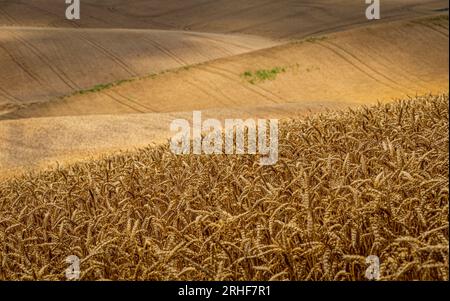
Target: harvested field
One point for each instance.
(362, 65)
(42, 64)
(349, 184)
(275, 19)
(43, 56)
(87, 108)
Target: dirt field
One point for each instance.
(359, 65)
(42, 58)
(46, 63)
(362, 66)
(275, 19)
(85, 168)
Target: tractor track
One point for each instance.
(108, 53)
(220, 72)
(354, 65)
(360, 61)
(22, 66)
(58, 72)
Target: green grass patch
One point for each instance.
(316, 39)
(262, 75)
(101, 87)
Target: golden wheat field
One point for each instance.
(348, 184)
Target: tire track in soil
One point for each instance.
(367, 66)
(22, 66)
(287, 16)
(215, 72)
(433, 28)
(212, 88)
(219, 16)
(215, 45)
(122, 103)
(354, 65)
(219, 41)
(8, 16)
(150, 110)
(166, 51)
(109, 54)
(182, 9)
(49, 13)
(255, 90)
(58, 72)
(411, 77)
(11, 97)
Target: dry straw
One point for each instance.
(350, 184)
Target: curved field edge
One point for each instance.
(44, 64)
(349, 184)
(277, 19)
(378, 62)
